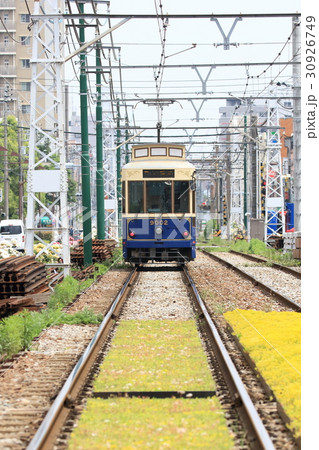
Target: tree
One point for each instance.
(14, 169)
(72, 188)
(13, 165)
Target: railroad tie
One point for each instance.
(156, 394)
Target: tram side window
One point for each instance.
(135, 196)
(181, 196)
(123, 197)
(159, 197)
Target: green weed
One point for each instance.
(257, 247)
(18, 331)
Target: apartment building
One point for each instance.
(15, 55)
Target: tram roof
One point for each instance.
(155, 163)
(158, 151)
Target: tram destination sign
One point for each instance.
(159, 173)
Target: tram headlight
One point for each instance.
(158, 230)
(185, 234)
(131, 234)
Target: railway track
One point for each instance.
(226, 260)
(262, 260)
(259, 259)
(236, 402)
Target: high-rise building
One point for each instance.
(15, 55)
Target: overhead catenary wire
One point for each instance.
(160, 17)
(272, 79)
(183, 66)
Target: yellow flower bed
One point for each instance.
(273, 341)
(50, 255)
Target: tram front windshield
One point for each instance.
(158, 197)
(163, 197)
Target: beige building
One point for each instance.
(15, 55)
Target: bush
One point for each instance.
(16, 332)
(209, 228)
(257, 247)
(240, 246)
(117, 260)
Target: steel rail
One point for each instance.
(257, 258)
(264, 287)
(236, 386)
(59, 410)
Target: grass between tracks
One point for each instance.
(140, 423)
(153, 356)
(164, 355)
(273, 341)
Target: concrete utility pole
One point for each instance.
(66, 115)
(253, 165)
(5, 159)
(21, 191)
(245, 175)
(296, 73)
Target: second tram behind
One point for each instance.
(158, 197)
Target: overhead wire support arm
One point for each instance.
(198, 110)
(226, 38)
(204, 82)
(93, 41)
(182, 16)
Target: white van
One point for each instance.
(12, 230)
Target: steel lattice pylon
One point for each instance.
(274, 201)
(110, 191)
(47, 176)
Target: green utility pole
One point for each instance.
(99, 150)
(245, 173)
(85, 163)
(118, 169)
(5, 157)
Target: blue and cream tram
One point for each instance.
(158, 190)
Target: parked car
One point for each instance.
(12, 231)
